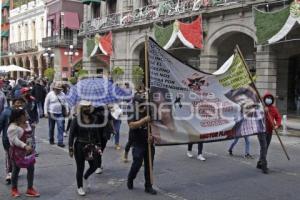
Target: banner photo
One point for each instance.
(190, 106)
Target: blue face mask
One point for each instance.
(268, 101)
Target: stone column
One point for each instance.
(31, 66)
(265, 70)
(24, 65)
(40, 66)
(208, 63)
(18, 63)
(57, 65)
(282, 84)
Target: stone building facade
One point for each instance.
(225, 25)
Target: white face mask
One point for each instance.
(268, 101)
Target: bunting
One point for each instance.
(104, 43)
(190, 34)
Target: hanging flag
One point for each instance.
(190, 34)
(191, 106)
(104, 43)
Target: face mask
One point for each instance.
(268, 101)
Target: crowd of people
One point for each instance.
(23, 105)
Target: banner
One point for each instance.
(188, 105)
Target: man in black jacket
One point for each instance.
(39, 93)
(137, 122)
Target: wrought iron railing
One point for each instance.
(60, 41)
(157, 11)
(23, 46)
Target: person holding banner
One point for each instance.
(273, 121)
(137, 122)
(247, 147)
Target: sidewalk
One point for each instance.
(293, 127)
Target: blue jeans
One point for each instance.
(59, 119)
(40, 108)
(117, 125)
(247, 144)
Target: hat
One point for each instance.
(25, 90)
(85, 103)
(57, 86)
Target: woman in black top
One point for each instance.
(87, 145)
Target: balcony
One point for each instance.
(161, 11)
(60, 41)
(23, 46)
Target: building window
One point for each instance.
(68, 34)
(42, 27)
(112, 6)
(49, 26)
(96, 10)
(33, 31)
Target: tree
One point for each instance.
(49, 73)
(117, 72)
(137, 76)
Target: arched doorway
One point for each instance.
(293, 84)
(36, 66)
(226, 44)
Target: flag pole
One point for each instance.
(148, 111)
(256, 90)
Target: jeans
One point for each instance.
(117, 125)
(15, 175)
(40, 108)
(200, 147)
(59, 119)
(247, 144)
(80, 164)
(264, 142)
(139, 155)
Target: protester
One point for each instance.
(19, 134)
(200, 148)
(138, 125)
(56, 109)
(273, 121)
(87, 144)
(247, 147)
(39, 93)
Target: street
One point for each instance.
(176, 176)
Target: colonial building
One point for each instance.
(5, 28)
(63, 23)
(26, 30)
(223, 25)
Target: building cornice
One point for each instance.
(27, 15)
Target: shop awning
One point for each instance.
(71, 20)
(5, 4)
(4, 33)
(91, 1)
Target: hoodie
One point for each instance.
(272, 114)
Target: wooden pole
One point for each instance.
(148, 111)
(256, 90)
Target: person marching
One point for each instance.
(273, 121)
(87, 145)
(247, 147)
(21, 151)
(189, 153)
(137, 122)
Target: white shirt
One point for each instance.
(52, 104)
(14, 133)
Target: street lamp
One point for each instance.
(49, 54)
(71, 52)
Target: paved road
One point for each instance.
(176, 177)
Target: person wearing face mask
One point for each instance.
(273, 121)
(84, 136)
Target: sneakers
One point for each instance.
(125, 157)
(99, 170)
(81, 191)
(130, 184)
(61, 145)
(150, 190)
(230, 152)
(248, 156)
(31, 192)
(117, 147)
(8, 178)
(15, 193)
(65, 134)
(200, 157)
(189, 154)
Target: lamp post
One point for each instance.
(71, 51)
(49, 55)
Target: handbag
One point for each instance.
(63, 108)
(20, 156)
(91, 151)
